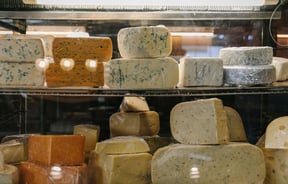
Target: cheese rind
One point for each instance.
(200, 72)
(14, 152)
(134, 104)
(246, 55)
(277, 134)
(156, 142)
(134, 123)
(199, 122)
(144, 42)
(157, 73)
(281, 67)
(235, 163)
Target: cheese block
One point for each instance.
(281, 67)
(156, 142)
(144, 42)
(56, 149)
(120, 169)
(20, 74)
(200, 72)
(33, 173)
(134, 123)
(21, 49)
(14, 152)
(91, 133)
(159, 73)
(247, 55)
(277, 134)
(235, 163)
(79, 50)
(201, 121)
(8, 173)
(235, 125)
(122, 145)
(249, 75)
(134, 104)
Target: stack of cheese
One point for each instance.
(248, 65)
(54, 159)
(17, 61)
(205, 154)
(8, 173)
(145, 63)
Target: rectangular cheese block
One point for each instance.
(157, 73)
(56, 149)
(235, 163)
(134, 123)
(21, 49)
(200, 72)
(281, 67)
(246, 55)
(144, 42)
(201, 121)
(134, 104)
(277, 134)
(20, 74)
(33, 173)
(120, 169)
(14, 152)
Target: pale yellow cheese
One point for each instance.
(134, 104)
(134, 123)
(277, 134)
(8, 173)
(13, 151)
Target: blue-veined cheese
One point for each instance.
(281, 67)
(157, 73)
(200, 72)
(249, 75)
(246, 55)
(277, 134)
(134, 123)
(145, 41)
(21, 49)
(134, 104)
(201, 121)
(20, 74)
(235, 163)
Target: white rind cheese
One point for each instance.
(281, 66)
(144, 42)
(200, 72)
(235, 163)
(134, 104)
(249, 75)
(246, 55)
(277, 134)
(199, 122)
(157, 73)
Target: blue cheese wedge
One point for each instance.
(157, 73)
(200, 72)
(235, 163)
(246, 55)
(143, 42)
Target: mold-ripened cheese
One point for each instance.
(159, 73)
(8, 173)
(21, 49)
(277, 134)
(122, 145)
(145, 41)
(201, 121)
(56, 149)
(235, 125)
(134, 104)
(120, 169)
(281, 67)
(249, 75)
(20, 74)
(246, 55)
(134, 123)
(200, 72)
(14, 152)
(235, 163)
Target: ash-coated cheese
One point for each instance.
(21, 49)
(200, 72)
(157, 73)
(235, 163)
(144, 42)
(235, 125)
(201, 121)
(246, 55)
(134, 104)
(8, 173)
(134, 123)
(281, 67)
(249, 75)
(20, 74)
(277, 134)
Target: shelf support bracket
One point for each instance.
(18, 25)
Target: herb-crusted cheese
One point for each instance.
(277, 134)
(144, 42)
(157, 73)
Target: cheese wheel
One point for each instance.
(281, 67)
(235, 163)
(14, 152)
(144, 42)
(201, 121)
(134, 104)
(10, 175)
(246, 55)
(156, 142)
(277, 134)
